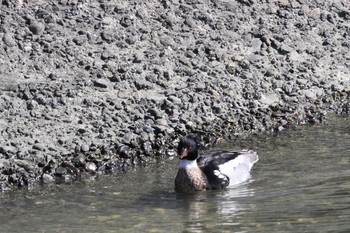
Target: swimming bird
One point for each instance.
(213, 170)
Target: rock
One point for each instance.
(31, 104)
(8, 40)
(167, 41)
(310, 94)
(174, 99)
(124, 151)
(9, 82)
(80, 39)
(141, 84)
(313, 93)
(284, 49)
(47, 179)
(90, 167)
(231, 68)
(256, 44)
(191, 23)
(61, 171)
(79, 160)
(36, 28)
(107, 36)
(155, 112)
(315, 13)
(103, 83)
(39, 146)
(200, 86)
(269, 99)
(84, 147)
(126, 21)
(107, 20)
(158, 129)
(8, 151)
(147, 147)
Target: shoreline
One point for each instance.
(88, 87)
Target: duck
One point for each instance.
(213, 170)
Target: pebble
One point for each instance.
(47, 179)
(286, 49)
(315, 13)
(90, 167)
(155, 112)
(8, 40)
(36, 28)
(124, 151)
(79, 160)
(200, 86)
(84, 147)
(174, 99)
(80, 39)
(147, 147)
(103, 83)
(8, 151)
(61, 171)
(256, 44)
(25, 164)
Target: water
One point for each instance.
(300, 184)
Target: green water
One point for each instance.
(300, 184)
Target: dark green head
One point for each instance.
(188, 148)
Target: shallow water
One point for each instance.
(300, 184)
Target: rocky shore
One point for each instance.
(87, 87)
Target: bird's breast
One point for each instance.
(189, 180)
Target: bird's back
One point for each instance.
(227, 168)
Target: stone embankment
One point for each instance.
(87, 87)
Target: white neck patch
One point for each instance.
(186, 164)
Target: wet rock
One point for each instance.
(79, 160)
(124, 151)
(90, 167)
(61, 171)
(25, 164)
(171, 153)
(147, 147)
(47, 179)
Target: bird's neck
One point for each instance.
(187, 164)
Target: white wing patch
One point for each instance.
(238, 169)
(220, 175)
